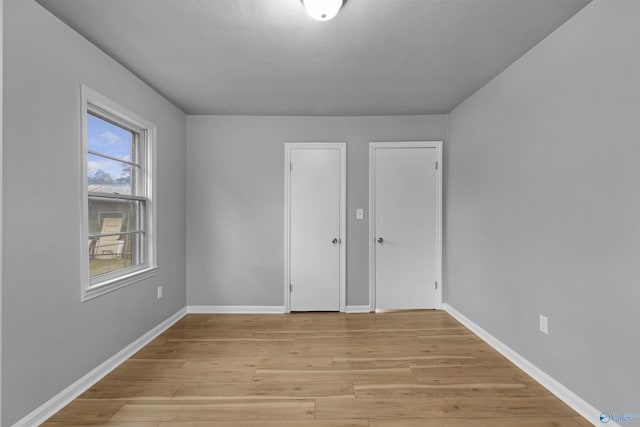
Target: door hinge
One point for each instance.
(290, 287)
(436, 165)
(436, 284)
(290, 166)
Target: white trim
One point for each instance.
(287, 226)
(116, 280)
(357, 309)
(342, 146)
(60, 400)
(235, 309)
(578, 404)
(1, 174)
(372, 259)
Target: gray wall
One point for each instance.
(543, 205)
(51, 339)
(235, 200)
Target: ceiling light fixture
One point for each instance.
(322, 10)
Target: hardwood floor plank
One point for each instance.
(477, 422)
(462, 407)
(418, 389)
(153, 363)
(352, 332)
(214, 410)
(329, 375)
(305, 390)
(223, 362)
(88, 411)
(506, 370)
(296, 362)
(386, 408)
(401, 361)
(131, 390)
(290, 362)
(209, 332)
(107, 424)
(279, 423)
(194, 374)
(476, 374)
(191, 371)
(242, 341)
(442, 362)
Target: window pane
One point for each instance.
(108, 139)
(115, 227)
(114, 215)
(109, 176)
(112, 254)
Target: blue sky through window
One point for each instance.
(111, 140)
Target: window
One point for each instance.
(118, 208)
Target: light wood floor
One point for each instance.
(403, 369)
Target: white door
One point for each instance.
(405, 220)
(316, 230)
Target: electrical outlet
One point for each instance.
(359, 213)
(544, 324)
(159, 292)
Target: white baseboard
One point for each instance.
(236, 309)
(59, 401)
(258, 309)
(578, 404)
(357, 309)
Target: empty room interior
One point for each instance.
(303, 213)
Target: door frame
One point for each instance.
(437, 145)
(288, 147)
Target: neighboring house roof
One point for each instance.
(111, 188)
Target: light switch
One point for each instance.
(359, 213)
(544, 324)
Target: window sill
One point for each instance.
(117, 283)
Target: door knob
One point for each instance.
(334, 241)
(380, 240)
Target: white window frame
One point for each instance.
(92, 100)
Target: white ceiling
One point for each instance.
(377, 57)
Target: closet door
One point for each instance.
(405, 219)
(316, 210)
